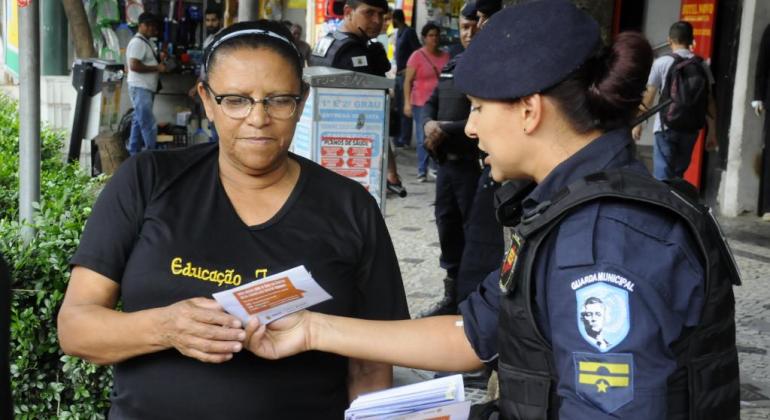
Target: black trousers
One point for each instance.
(764, 179)
(484, 243)
(456, 183)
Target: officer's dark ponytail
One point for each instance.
(605, 92)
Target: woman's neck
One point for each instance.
(562, 146)
(434, 51)
(241, 179)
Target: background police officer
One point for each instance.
(353, 45)
(457, 155)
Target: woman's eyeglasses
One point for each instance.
(280, 107)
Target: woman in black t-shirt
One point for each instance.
(169, 221)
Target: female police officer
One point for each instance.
(613, 308)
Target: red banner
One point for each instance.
(702, 16)
(408, 6)
(319, 12)
(23, 3)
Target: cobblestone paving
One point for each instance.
(412, 227)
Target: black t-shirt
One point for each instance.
(166, 209)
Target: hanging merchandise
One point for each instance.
(124, 34)
(272, 9)
(134, 8)
(107, 12)
(111, 48)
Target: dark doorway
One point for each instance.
(724, 59)
(629, 16)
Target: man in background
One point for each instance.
(144, 68)
(213, 23)
(303, 47)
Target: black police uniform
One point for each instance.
(344, 50)
(660, 337)
(458, 170)
(615, 299)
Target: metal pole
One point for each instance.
(248, 10)
(29, 114)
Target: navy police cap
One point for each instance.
(469, 11)
(526, 49)
(382, 4)
(489, 7)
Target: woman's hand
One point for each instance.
(282, 338)
(200, 329)
(407, 109)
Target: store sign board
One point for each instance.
(297, 4)
(302, 144)
(350, 135)
(702, 15)
(12, 38)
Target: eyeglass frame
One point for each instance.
(253, 101)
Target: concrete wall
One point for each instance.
(740, 185)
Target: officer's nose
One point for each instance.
(470, 126)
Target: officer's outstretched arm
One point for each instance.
(435, 343)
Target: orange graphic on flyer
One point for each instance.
(267, 295)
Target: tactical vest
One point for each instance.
(323, 55)
(705, 384)
(336, 43)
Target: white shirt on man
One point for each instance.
(139, 48)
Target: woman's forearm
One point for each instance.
(435, 343)
(106, 336)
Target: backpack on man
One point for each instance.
(687, 88)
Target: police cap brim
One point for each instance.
(382, 4)
(469, 11)
(526, 49)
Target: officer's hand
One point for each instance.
(759, 107)
(407, 109)
(636, 132)
(711, 142)
(282, 338)
(200, 329)
(434, 135)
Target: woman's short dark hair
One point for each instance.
(605, 92)
(281, 42)
(429, 27)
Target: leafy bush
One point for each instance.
(45, 382)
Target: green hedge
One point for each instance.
(45, 382)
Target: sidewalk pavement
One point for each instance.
(412, 227)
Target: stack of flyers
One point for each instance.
(442, 398)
